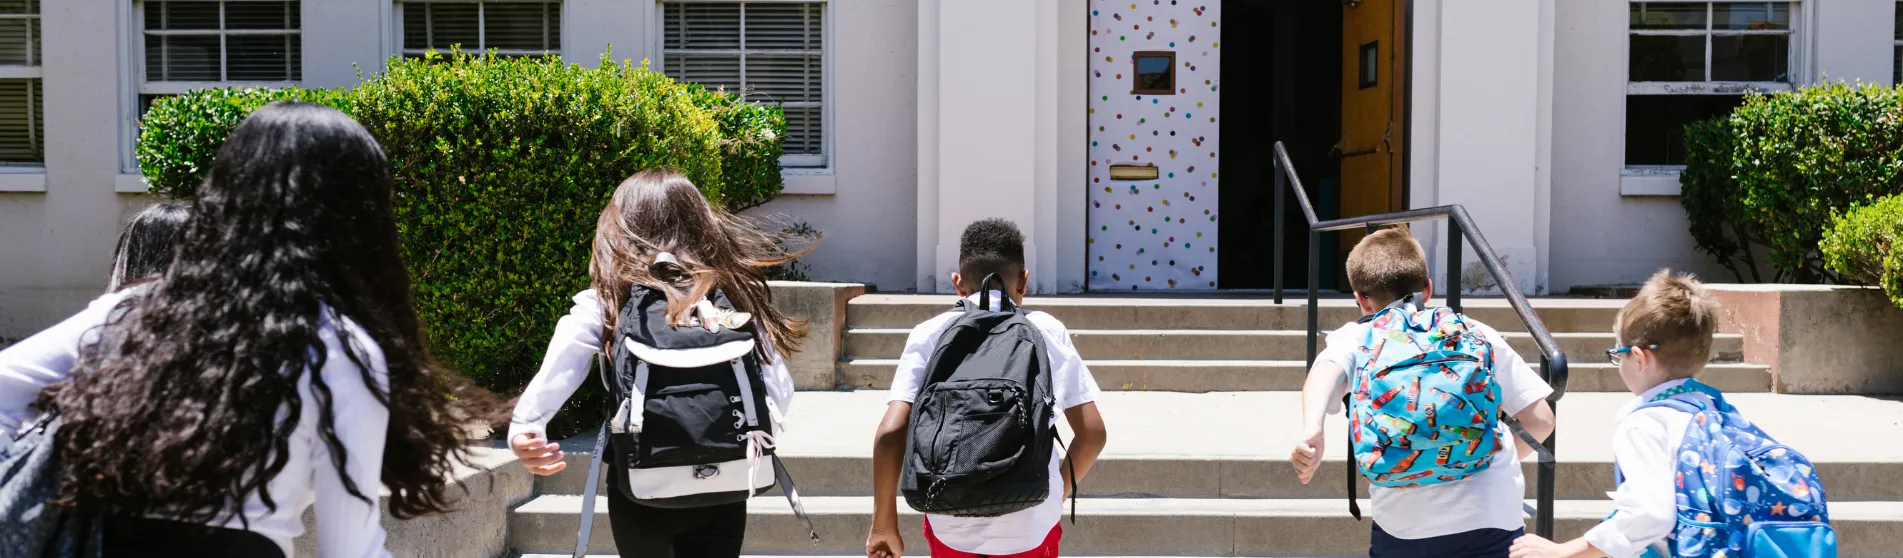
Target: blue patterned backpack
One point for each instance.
(1422, 405)
(1741, 494)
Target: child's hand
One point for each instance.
(1535, 546)
(538, 454)
(1307, 455)
(884, 544)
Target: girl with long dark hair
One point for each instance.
(146, 243)
(276, 365)
(658, 215)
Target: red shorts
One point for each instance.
(1046, 550)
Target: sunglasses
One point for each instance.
(1617, 354)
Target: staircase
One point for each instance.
(1201, 397)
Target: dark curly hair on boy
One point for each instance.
(990, 246)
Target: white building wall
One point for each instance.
(1600, 236)
(58, 235)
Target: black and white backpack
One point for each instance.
(691, 424)
(981, 430)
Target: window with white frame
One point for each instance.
(193, 44)
(1692, 61)
(517, 28)
(22, 114)
(770, 52)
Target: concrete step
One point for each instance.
(1235, 444)
(1198, 376)
(1182, 344)
(1225, 311)
(1162, 526)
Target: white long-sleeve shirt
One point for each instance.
(576, 342)
(1643, 445)
(346, 526)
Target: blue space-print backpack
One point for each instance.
(1423, 405)
(1741, 494)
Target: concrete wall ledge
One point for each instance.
(823, 306)
(1818, 339)
(478, 528)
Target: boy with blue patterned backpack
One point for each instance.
(1426, 390)
(1696, 479)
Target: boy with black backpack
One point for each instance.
(1428, 393)
(1695, 477)
(969, 435)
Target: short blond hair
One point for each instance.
(1387, 265)
(1675, 312)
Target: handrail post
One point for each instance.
(1281, 184)
(1454, 241)
(1543, 517)
(1314, 293)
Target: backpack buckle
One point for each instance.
(994, 397)
(704, 472)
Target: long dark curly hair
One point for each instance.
(177, 406)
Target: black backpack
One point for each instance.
(690, 422)
(981, 433)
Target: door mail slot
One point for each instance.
(1133, 172)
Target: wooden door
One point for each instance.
(1374, 69)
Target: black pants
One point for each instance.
(137, 536)
(1479, 543)
(647, 532)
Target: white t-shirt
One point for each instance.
(346, 526)
(1644, 446)
(1491, 499)
(1019, 531)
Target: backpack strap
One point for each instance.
(589, 492)
(793, 497)
(1354, 507)
(1075, 483)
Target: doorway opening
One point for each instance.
(1280, 84)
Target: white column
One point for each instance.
(591, 27)
(1489, 129)
(342, 36)
(1854, 39)
(987, 129)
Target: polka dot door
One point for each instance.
(1154, 84)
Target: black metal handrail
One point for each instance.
(1459, 227)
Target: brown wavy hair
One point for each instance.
(175, 407)
(659, 210)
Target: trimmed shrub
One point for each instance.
(502, 167)
(1799, 158)
(1719, 222)
(1865, 245)
(181, 134)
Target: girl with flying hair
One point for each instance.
(276, 365)
(660, 235)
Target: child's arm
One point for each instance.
(1087, 440)
(1644, 510)
(1537, 419)
(565, 365)
(888, 458)
(1327, 382)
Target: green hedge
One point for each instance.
(1866, 246)
(502, 167)
(1712, 202)
(1796, 160)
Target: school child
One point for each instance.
(1695, 478)
(276, 366)
(998, 375)
(145, 245)
(680, 311)
(1424, 389)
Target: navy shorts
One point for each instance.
(1488, 543)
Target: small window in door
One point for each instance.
(1155, 73)
(1370, 64)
